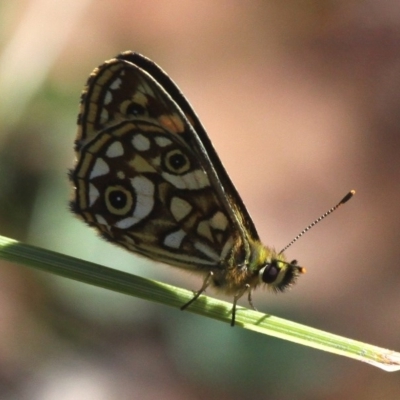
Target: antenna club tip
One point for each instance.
(348, 196)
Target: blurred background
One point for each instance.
(301, 100)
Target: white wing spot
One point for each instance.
(140, 142)
(162, 141)
(227, 248)
(104, 115)
(192, 180)
(208, 251)
(174, 239)
(143, 186)
(219, 221)
(115, 150)
(116, 84)
(175, 180)
(196, 179)
(156, 161)
(93, 194)
(126, 222)
(100, 168)
(108, 97)
(203, 229)
(201, 178)
(180, 208)
(101, 220)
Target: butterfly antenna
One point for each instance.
(344, 200)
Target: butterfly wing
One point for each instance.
(144, 176)
(199, 135)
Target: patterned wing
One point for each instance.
(144, 177)
(170, 87)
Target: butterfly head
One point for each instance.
(279, 274)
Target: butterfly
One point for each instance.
(147, 178)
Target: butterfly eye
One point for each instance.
(136, 110)
(280, 276)
(119, 200)
(176, 162)
(270, 272)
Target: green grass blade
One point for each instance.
(94, 274)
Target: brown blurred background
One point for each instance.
(302, 102)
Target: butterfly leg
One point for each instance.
(250, 300)
(203, 288)
(237, 296)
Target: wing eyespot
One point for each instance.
(119, 201)
(136, 110)
(176, 162)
